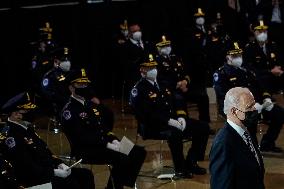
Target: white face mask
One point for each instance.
(124, 33)
(152, 74)
(65, 65)
(200, 21)
(262, 37)
(166, 51)
(137, 36)
(237, 62)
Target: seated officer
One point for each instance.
(86, 126)
(162, 116)
(231, 75)
(170, 67)
(53, 82)
(262, 56)
(30, 157)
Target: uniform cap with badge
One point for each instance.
(233, 48)
(21, 101)
(78, 76)
(199, 13)
(260, 25)
(149, 62)
(124, 26)
(163, 43)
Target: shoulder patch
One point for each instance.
(45, 82)
(66, 114)
(10, 142)
(216, 77)
(134, 92)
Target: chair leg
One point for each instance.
(110, 175)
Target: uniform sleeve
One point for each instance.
(220, 87)
(221, 167)
(29, 167)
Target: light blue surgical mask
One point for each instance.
(152, 74)
(166, 51)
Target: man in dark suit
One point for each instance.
(235, 161)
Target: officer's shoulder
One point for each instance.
(67, 106)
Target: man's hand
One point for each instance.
(95, 100)
(267, 104)
(182, 122)
(175, 123)
(182, 85)
(62, 173)
(277, 71)
(114, 145)
(258, 107)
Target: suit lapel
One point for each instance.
(243, 146)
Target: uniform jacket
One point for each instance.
(154, 107)
(232, 164)
(227, 77)
(171, 70)
(33, 163)
(260, 62)
(85, 126)
(54, 87)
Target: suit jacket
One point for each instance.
(232, 164)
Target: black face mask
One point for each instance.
(86, 92)
(251, 118)
(28, 117)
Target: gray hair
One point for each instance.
(232, 98)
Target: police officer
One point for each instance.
(41, 63)
(33, 162)
(90, 137)
(53, 84)
(170, 67)
(231, 75)
(197, 65)
(262, 57)
(162, 116)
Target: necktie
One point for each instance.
(249, 143)
(156, 85)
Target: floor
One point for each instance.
(158, 157)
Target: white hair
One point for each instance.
(232, 98)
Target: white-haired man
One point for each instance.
(235, 161)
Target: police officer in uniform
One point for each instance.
(41, 63)
(197, 66)
(53, 84)
(262, 57)
(231, 75)
(170, 67)
(33, 162)
(90, 137)
(160, 115)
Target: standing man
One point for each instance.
(235, 161)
